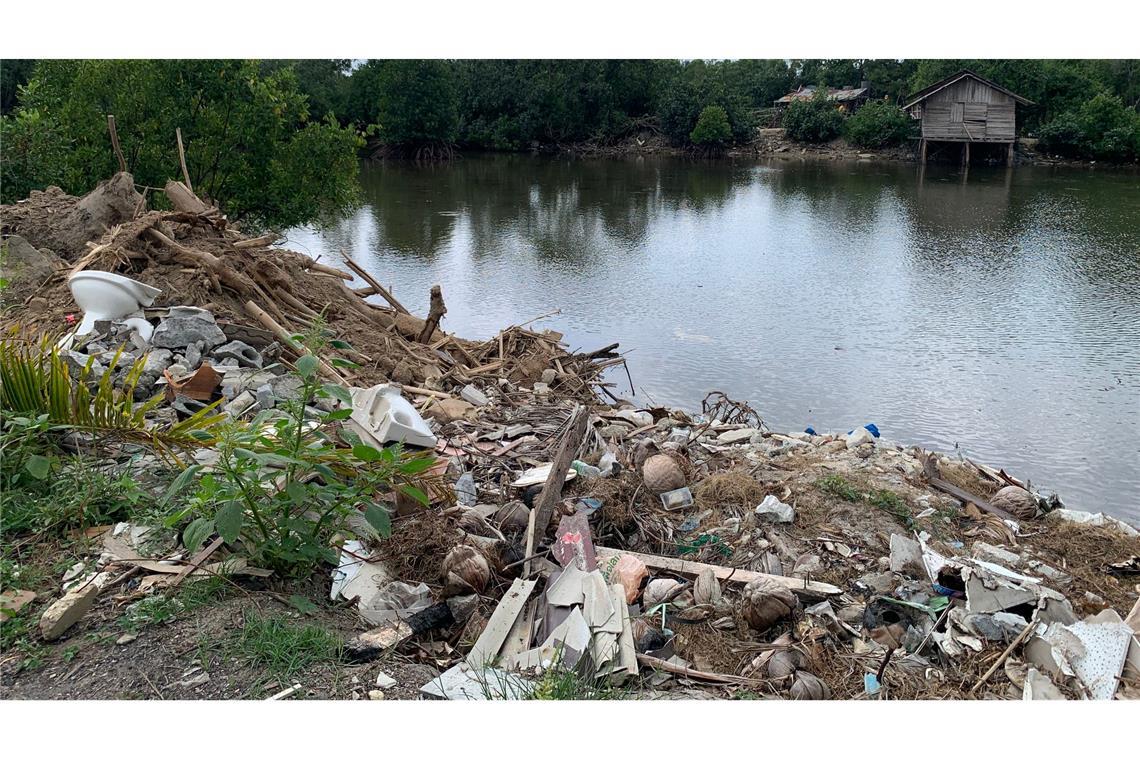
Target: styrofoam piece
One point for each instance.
(106, 295)
(388, 416)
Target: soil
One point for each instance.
(88, 664)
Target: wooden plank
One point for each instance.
(731, 574)
(195, 563)
(552, 490)
(486, 649)
(518, 640)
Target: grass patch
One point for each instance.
(561, 684)
(891, 503)
(160, 609)
(281, 646)
(837, 485)
(888, 501)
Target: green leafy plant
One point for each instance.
(282, 486)
(713, 130)
(813, 121)
(36, 386)
(878, 124)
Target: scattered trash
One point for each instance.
(681, 498)
(773, 510)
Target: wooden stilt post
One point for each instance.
(1009, 156)
(922, 151)
(966, 155)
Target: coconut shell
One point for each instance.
(513, 517)
(657, 590)
(1017, 501)
(807, 686)
(764, 602)
(646, 448)
(471, 521)
(465, 571)
(661, 473)
(784, 663)
(706, 589)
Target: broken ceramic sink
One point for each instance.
(389, 417)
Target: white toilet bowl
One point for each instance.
(105, 295)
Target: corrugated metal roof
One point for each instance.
(839, 94)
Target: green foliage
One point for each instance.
(282, 486)
(282, 647)
(558, 683)
(813, 121)
(412, 103)
(36, 388)
(323, 81)
(77, 495)
(14, 74)
(837, 485)
(891, 503)
(713, 129)
(878, 123)
(250, 144)
(1102, 128)
(694, 86)
(151, 610)
(33, 155)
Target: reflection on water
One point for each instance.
(997, 312)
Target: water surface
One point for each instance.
(997, 312)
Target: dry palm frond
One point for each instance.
(35, 381)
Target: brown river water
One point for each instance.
(994, 312)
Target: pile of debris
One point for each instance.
(196, 258)
(666, 551)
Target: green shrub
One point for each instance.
(1102, 128)
(813, 121)
(282, 487)
(878, 124)
(713, 129)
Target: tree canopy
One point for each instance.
(251, 146)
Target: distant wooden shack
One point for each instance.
(966, 109)
(846, 99)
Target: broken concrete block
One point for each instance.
(906, 555)
(186, 325)
(71, 607)
(473, 395)
(992, 553)
(244, 354)
(743, 435)
(858, 437)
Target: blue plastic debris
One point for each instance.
(690, 524)
(810, 431)
(870, 427)
(589, 505)
(871, 684)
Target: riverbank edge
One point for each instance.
(769, 144)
